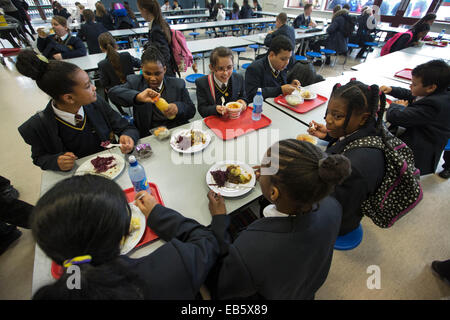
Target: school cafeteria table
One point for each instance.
(181, 180)
(324, 88)
(433, 52)
(185, 16)
(123, 33)
(90, 61)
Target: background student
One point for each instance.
(338, 34)
(90, 30)
(269, 73)
(287, 253)
(424, 113)
(405, 39)
(304, 19)
(246, 11)
(222, 82)
(59, 10)
(103, 16)
(140, 91)
(282, 29)
(85, 218)
(75, 121)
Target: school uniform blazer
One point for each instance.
(427, 123)
(106, 20)
(259, 75)
(206, 102)
(281, 257)
(108, 77)
(336, 40)
(70, 48)
(90, 31)
(365, 178)
(288, 32)
(41, 131)
(246, 12)
(177, 269)
(174, 92)
(157, 38)
(302, 20)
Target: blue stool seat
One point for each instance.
(352, 45)
(209, 32)
(300, 58)
(122, 41)
(194, 33)
(245, 65)
(371, 44)
(447, 147)
(198, 56)
(235, 29)
(327, 51)
(350, 240)
(254, 46)
(313, 54)
(239, 50)
(192, 77)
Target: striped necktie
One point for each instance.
(78, 120)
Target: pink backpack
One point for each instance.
(387, 46)
(181, 54)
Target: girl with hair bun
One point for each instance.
(355, 111)
(287, 253)
(75, 121)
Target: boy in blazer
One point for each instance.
(221, 83)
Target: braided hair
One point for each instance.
(152, 54)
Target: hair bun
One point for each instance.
(30, 65)
(334, 169)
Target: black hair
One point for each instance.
(346, 6)
(434, 72)
(305, 173)
(428, 17)
(54, 77)
(85, 215)
(420, 28)
(307, 6)
(88, 15)
(152, 54)
(361, 98)
(220, 52)
(280, 43)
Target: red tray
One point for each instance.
(147, 237)
(304, 107)
(440, 44)
(404, 74)
(227, 129)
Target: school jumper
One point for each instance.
(260, 75)
(367, 175)
(106, 20)
(90, 31)
(286, 31)
(147, 115)
(233, 91)
(427, 124)
(278, 257)
(157, 38)
(72, 47)
(108, 77)
(50, 136)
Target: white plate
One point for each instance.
(134, 238)
(192, 149)
(231, 189)
(112, 173)
(312, 96)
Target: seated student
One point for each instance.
(75, 121)
(282, 29)
(286, 254)
(365, 30)
(235, 11)
(304, 19)
(121, 18)
(221, 82)
(405, 39)
(90, 31)
(59, 10)
(246, 11)
(140, 90)
(82, 221)
(351, 115)
(424, 112)
(61, 45)
(103, 16)
(269, 73)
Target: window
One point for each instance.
(443, 12)
(389, 7)
(355, 5)
(417, 8)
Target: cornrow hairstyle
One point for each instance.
(152, 54)
(107, 42)
(305, 173)
(54, 77)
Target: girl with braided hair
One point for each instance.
(355, 111)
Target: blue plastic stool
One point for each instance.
(350, 46)
(329, 52)
(255, 47)
(194, 34)
(123, 44)
(143, 40)
(370, 45)
(313, 54)
(447, 147)
(209, 32)
(300, 58)
(223, 32)
(249, 29)
(245, 65)
(238, 51)
(350, 240)
(235, 30)
(192, 77)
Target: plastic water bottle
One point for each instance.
(441, 35)
(136, 45)
(257, 105)
(137, 176)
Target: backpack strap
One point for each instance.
(211, 86)
(366, 142)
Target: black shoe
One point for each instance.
(317, 63)
(444, 173)
(8, 239)
(9, 194)
(441, 269)
(328, 61)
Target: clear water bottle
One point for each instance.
(441, 35)
(136, 45)
(257, 105)
(137, 176)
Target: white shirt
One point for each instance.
(67, 116)
(273, 70)
(219, 83)
(165, 7)
(271, 211)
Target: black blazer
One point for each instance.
(174, 92)
(72, 47)
(207, 104)
(89, 32)
(246, 12)
(259, 75)
(288, 32)
(427, 123)
(157, 38)
(177, 269)
(367, 174)
(280, 257)
(41, 131)
(106, 20)
(108, 77)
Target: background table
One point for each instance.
(90, 61)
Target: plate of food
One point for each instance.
(137, 229)
(107, 165)
(231, 178)
(190, 140)
(308, 95)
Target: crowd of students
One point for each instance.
(313, 197)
